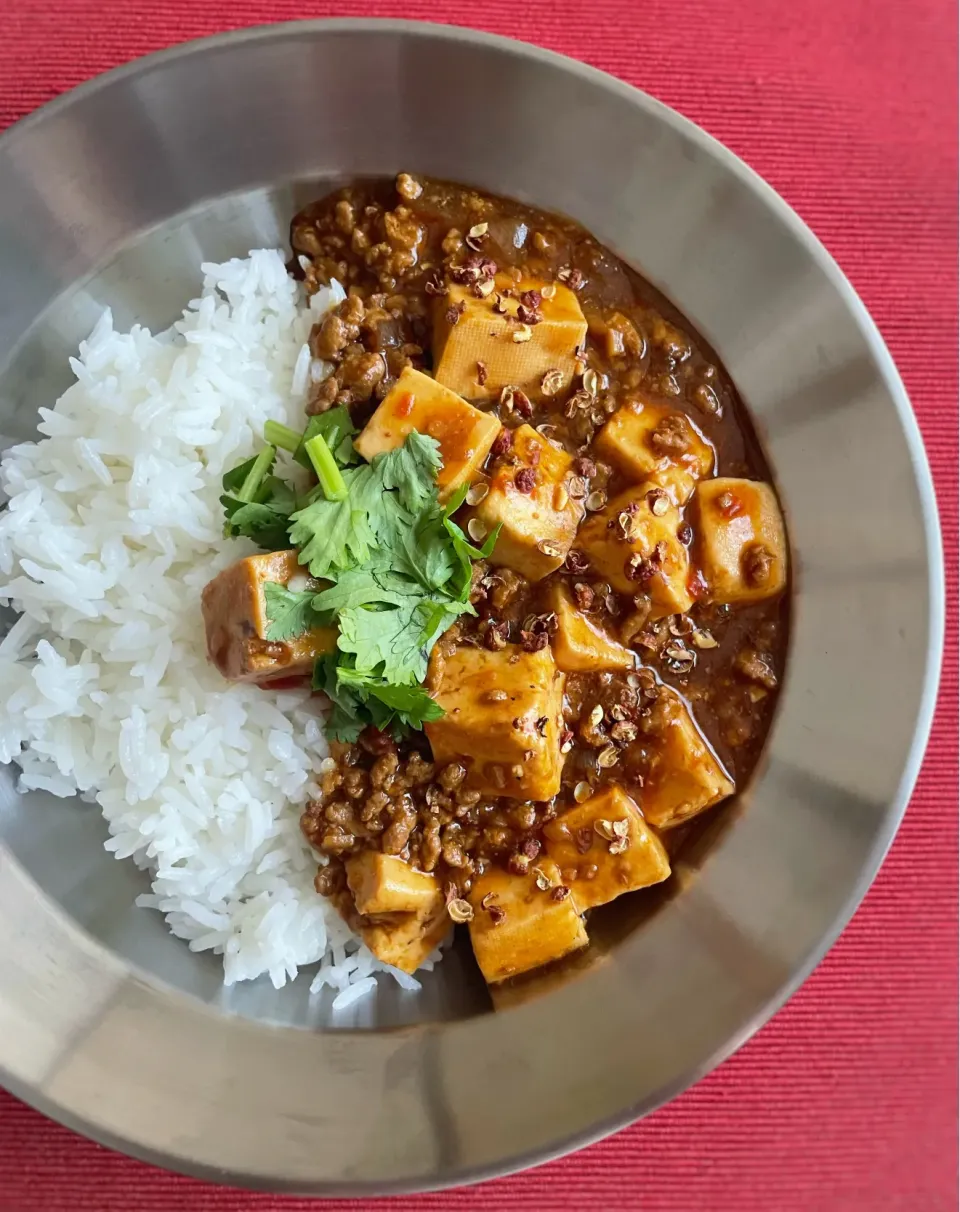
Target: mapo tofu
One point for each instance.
(613, 674)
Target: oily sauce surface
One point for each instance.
(393, 246)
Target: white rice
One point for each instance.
(112, 528)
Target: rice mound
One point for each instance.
(112, 528)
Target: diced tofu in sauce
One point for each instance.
(605, 386)
(741, 545)
(502, 719)
(654, 442)
(382, 883)
(684, 777)
(235, 619)
(418, 402)
(604, 848)
(580, 645)
(633, 543)
(512, 354)
(405, 940)
(539, 520)
(521, 922)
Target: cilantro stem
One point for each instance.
(281, 435)
(261, 465)
(325, 465)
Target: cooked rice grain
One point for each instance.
(112, 528)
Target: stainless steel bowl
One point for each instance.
(113, 194)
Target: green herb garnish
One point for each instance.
(325, 465)
(396, 567)
(358, 700)
(281, 435)
(291, 614)
(336, 428)
(256, 503)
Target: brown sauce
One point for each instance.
(396, 247)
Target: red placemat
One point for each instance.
(848, 1099)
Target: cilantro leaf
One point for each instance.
(262, 515)
(278, 495)
(291, 614)
(422, 551)
(358, 700)
(337, 429)
(444, 612)
(234, 478)
(411, 469)
(410, 705)
(264, 522)
(400, 572)
(348, 715)
(395, 642)
(338, 535)
(379, 508)
(464, 550)
(389, 642)
(369, 586)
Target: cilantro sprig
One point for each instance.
(394, 565)
(256, 503)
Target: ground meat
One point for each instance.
(408, 187)
(670, 341)
(346, 219)
(403, 820)
(671, 436)
(403, 232)
(757, 563)
(756, 666)
(408, 808)
(508, 585)
(338, 329)
(358, 376)
(621, 338)
(396, 249)
(584, 595)
(495, 635)
(376, 742)
(323, 396)
(330, 879)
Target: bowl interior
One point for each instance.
(116, 195)
(148, 283)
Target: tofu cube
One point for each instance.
(235, 619)
(684, 776)
(648, 441)
(528, 496)
(405, 940)
(741, 544)
(517, 925)
(604, 847)
(511, 353)
(383, 883)
(579, 644)
(502, 719)
(418, 402)
(633, 544)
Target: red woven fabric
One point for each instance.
(848, 1099)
